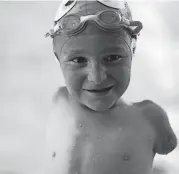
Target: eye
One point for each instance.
(80, 60)
(113, 58)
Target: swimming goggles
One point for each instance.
(107, 20)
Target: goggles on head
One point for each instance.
(107, 20)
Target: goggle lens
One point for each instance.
(109, 17)
(70, 22)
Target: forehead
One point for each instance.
(94, 45)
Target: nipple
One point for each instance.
(53, 155)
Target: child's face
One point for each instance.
(94, 62)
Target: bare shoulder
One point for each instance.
(60, 103)
(58, 127)
(61, 93)
(58, 109)
(165, 140)
(152, 110)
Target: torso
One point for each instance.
(119, 141)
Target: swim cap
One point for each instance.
(91, 7)
(85, 8)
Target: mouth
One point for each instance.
(102, 90)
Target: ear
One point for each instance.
(133, 45)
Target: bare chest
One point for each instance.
(111, 144)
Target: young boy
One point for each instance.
(92, 130)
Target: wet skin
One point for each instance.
(123, 139)
(95, 61)
(92, 132)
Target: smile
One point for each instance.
(103, 90)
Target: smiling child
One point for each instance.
(91, 129)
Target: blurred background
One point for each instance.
(30, 74)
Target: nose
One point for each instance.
(97, 74)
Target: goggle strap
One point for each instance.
(54, 30)
(138, 26)
(125, 21)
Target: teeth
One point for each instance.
(101, 90)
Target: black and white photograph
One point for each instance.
(89, 87)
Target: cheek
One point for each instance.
(121, 73)
(122, 76)
(73, 79)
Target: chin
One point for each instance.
(100, 106)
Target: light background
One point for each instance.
(29, 75)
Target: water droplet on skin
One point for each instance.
(125, 157)
(79, 123)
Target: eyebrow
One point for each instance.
(75, 51)
(111, 48)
